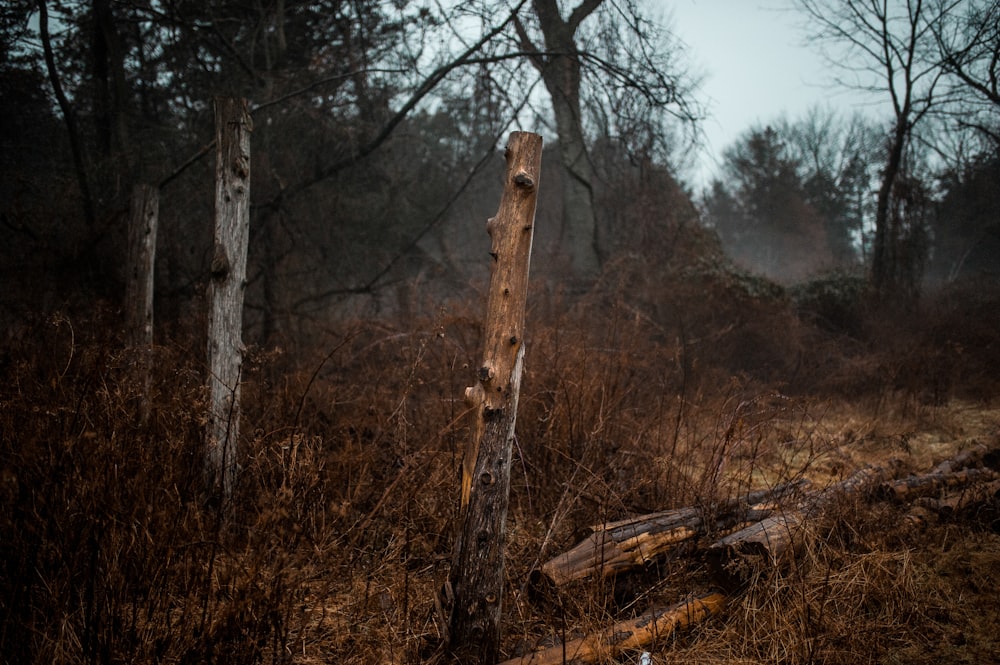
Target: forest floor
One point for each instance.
(338, 539)
(879, 585)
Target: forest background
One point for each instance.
(837, 255)
(375, 144)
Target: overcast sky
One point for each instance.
(756, 67)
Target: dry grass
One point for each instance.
(334, 546)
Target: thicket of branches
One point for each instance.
(376, 124)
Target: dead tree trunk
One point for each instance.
(143, 218)
(476, 579)
(225, 290)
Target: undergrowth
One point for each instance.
(339, 534)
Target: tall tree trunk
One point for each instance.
(143, 218)
(477, 572)
(142, 223)
(883, 270)
(226, 289)
(561, 73)
(579, 233)
(69, 117)
(110, 103)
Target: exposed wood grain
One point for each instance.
(476, 578)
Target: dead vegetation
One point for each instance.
(339, 534)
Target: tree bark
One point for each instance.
(69, 117)
(225, 290)
(631, 543)
(143, 219)
(561, 73)
(476, 578)
(883, 263)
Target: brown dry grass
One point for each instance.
(339, 536)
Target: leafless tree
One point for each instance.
(968, 41)
(885, 47)
(627, 57)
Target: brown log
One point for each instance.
(626, 545)
(764, 543)
(476, 578)
(964, 499)
(623, 545)
(969, 457)
(908, 489)
(655, 624)
(608, 552)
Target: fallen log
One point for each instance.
(965, 499)
(768, 537)
(972, 456)
(624, 544)
(614, 547)
(740, 553)
(631, 634)
(912, 487)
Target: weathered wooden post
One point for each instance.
(225, 290)
(144, 210)
(476, 579)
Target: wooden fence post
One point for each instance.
(225, 290)
(144, 210)
(476, 579)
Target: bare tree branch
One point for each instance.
(69, 117)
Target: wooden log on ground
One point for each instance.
(908, 489)
(964, 499)
(626, 544)
(739, 554)
(769, 537)
(970, 457)
(608, 552)
(742, 552)
(656, 624)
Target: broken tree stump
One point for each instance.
(476, 578)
